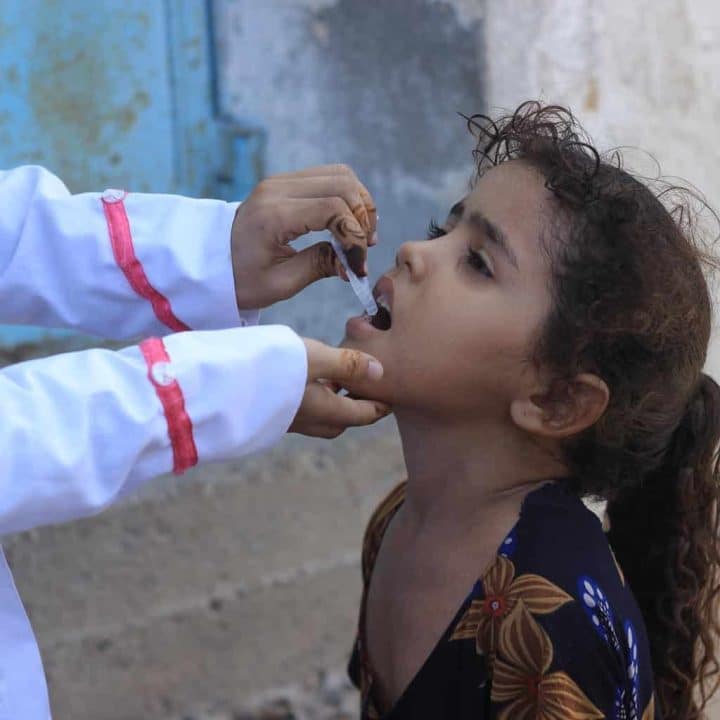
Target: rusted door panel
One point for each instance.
(118, 93)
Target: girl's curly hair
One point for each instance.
(632, 305)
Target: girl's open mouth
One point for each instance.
(382, 320)
(383, 294)
(364, 325)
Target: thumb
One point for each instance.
(340, 365)
(305, 267)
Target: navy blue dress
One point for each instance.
(551, 631)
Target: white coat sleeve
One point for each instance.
(81, 429)
(116, 265)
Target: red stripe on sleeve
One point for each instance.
(180, 428)
(124, 252)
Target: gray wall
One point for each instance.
(642, 75)
(373, 83)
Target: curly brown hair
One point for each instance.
(632, 305)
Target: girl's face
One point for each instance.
(465, 307)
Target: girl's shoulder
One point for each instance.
(558, 536)
(563, 593)
(561, 542)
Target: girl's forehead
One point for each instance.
(513, 196)
(512, 181)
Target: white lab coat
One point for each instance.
(81, 429)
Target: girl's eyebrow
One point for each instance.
(493, 233)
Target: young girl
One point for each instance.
(546, 346)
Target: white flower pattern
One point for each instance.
(633, 670)
(598, 610)
(507, 547)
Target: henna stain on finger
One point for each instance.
(370, 209)
(324, 261)
(361, 216)
(350, 362)
(350, 232)
(346, 227)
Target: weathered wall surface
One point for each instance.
(641, 74)
(375, 84)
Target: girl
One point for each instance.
(546, 346)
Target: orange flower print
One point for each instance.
(521, 679)
(503, 590)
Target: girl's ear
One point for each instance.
(566, 409)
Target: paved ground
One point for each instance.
(326, 696)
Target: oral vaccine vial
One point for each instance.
(361, 286)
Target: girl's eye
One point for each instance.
(435, 231)
(476, 261)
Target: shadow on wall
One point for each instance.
(396, 74)
(376, 84)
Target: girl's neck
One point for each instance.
(464, 476)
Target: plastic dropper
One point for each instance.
(361, 286)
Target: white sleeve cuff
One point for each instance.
(184, 247)
(242, 387)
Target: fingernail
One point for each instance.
(374, 238)
(375, 370)
(383, 410)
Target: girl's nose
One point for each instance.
(410, 257)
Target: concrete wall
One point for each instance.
(373, 83)
(642, 74)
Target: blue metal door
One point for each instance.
(118, 93)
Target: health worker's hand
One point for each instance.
(281, 209)
(324, 413)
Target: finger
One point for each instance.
(328, 432)
(334, 171)
(298, 216)
(371, 211)
(348, 187)
(340, 365)
(303, 268)
(290, 276)
(339, 411)
(333, 387)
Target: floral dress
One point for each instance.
(549, 632)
